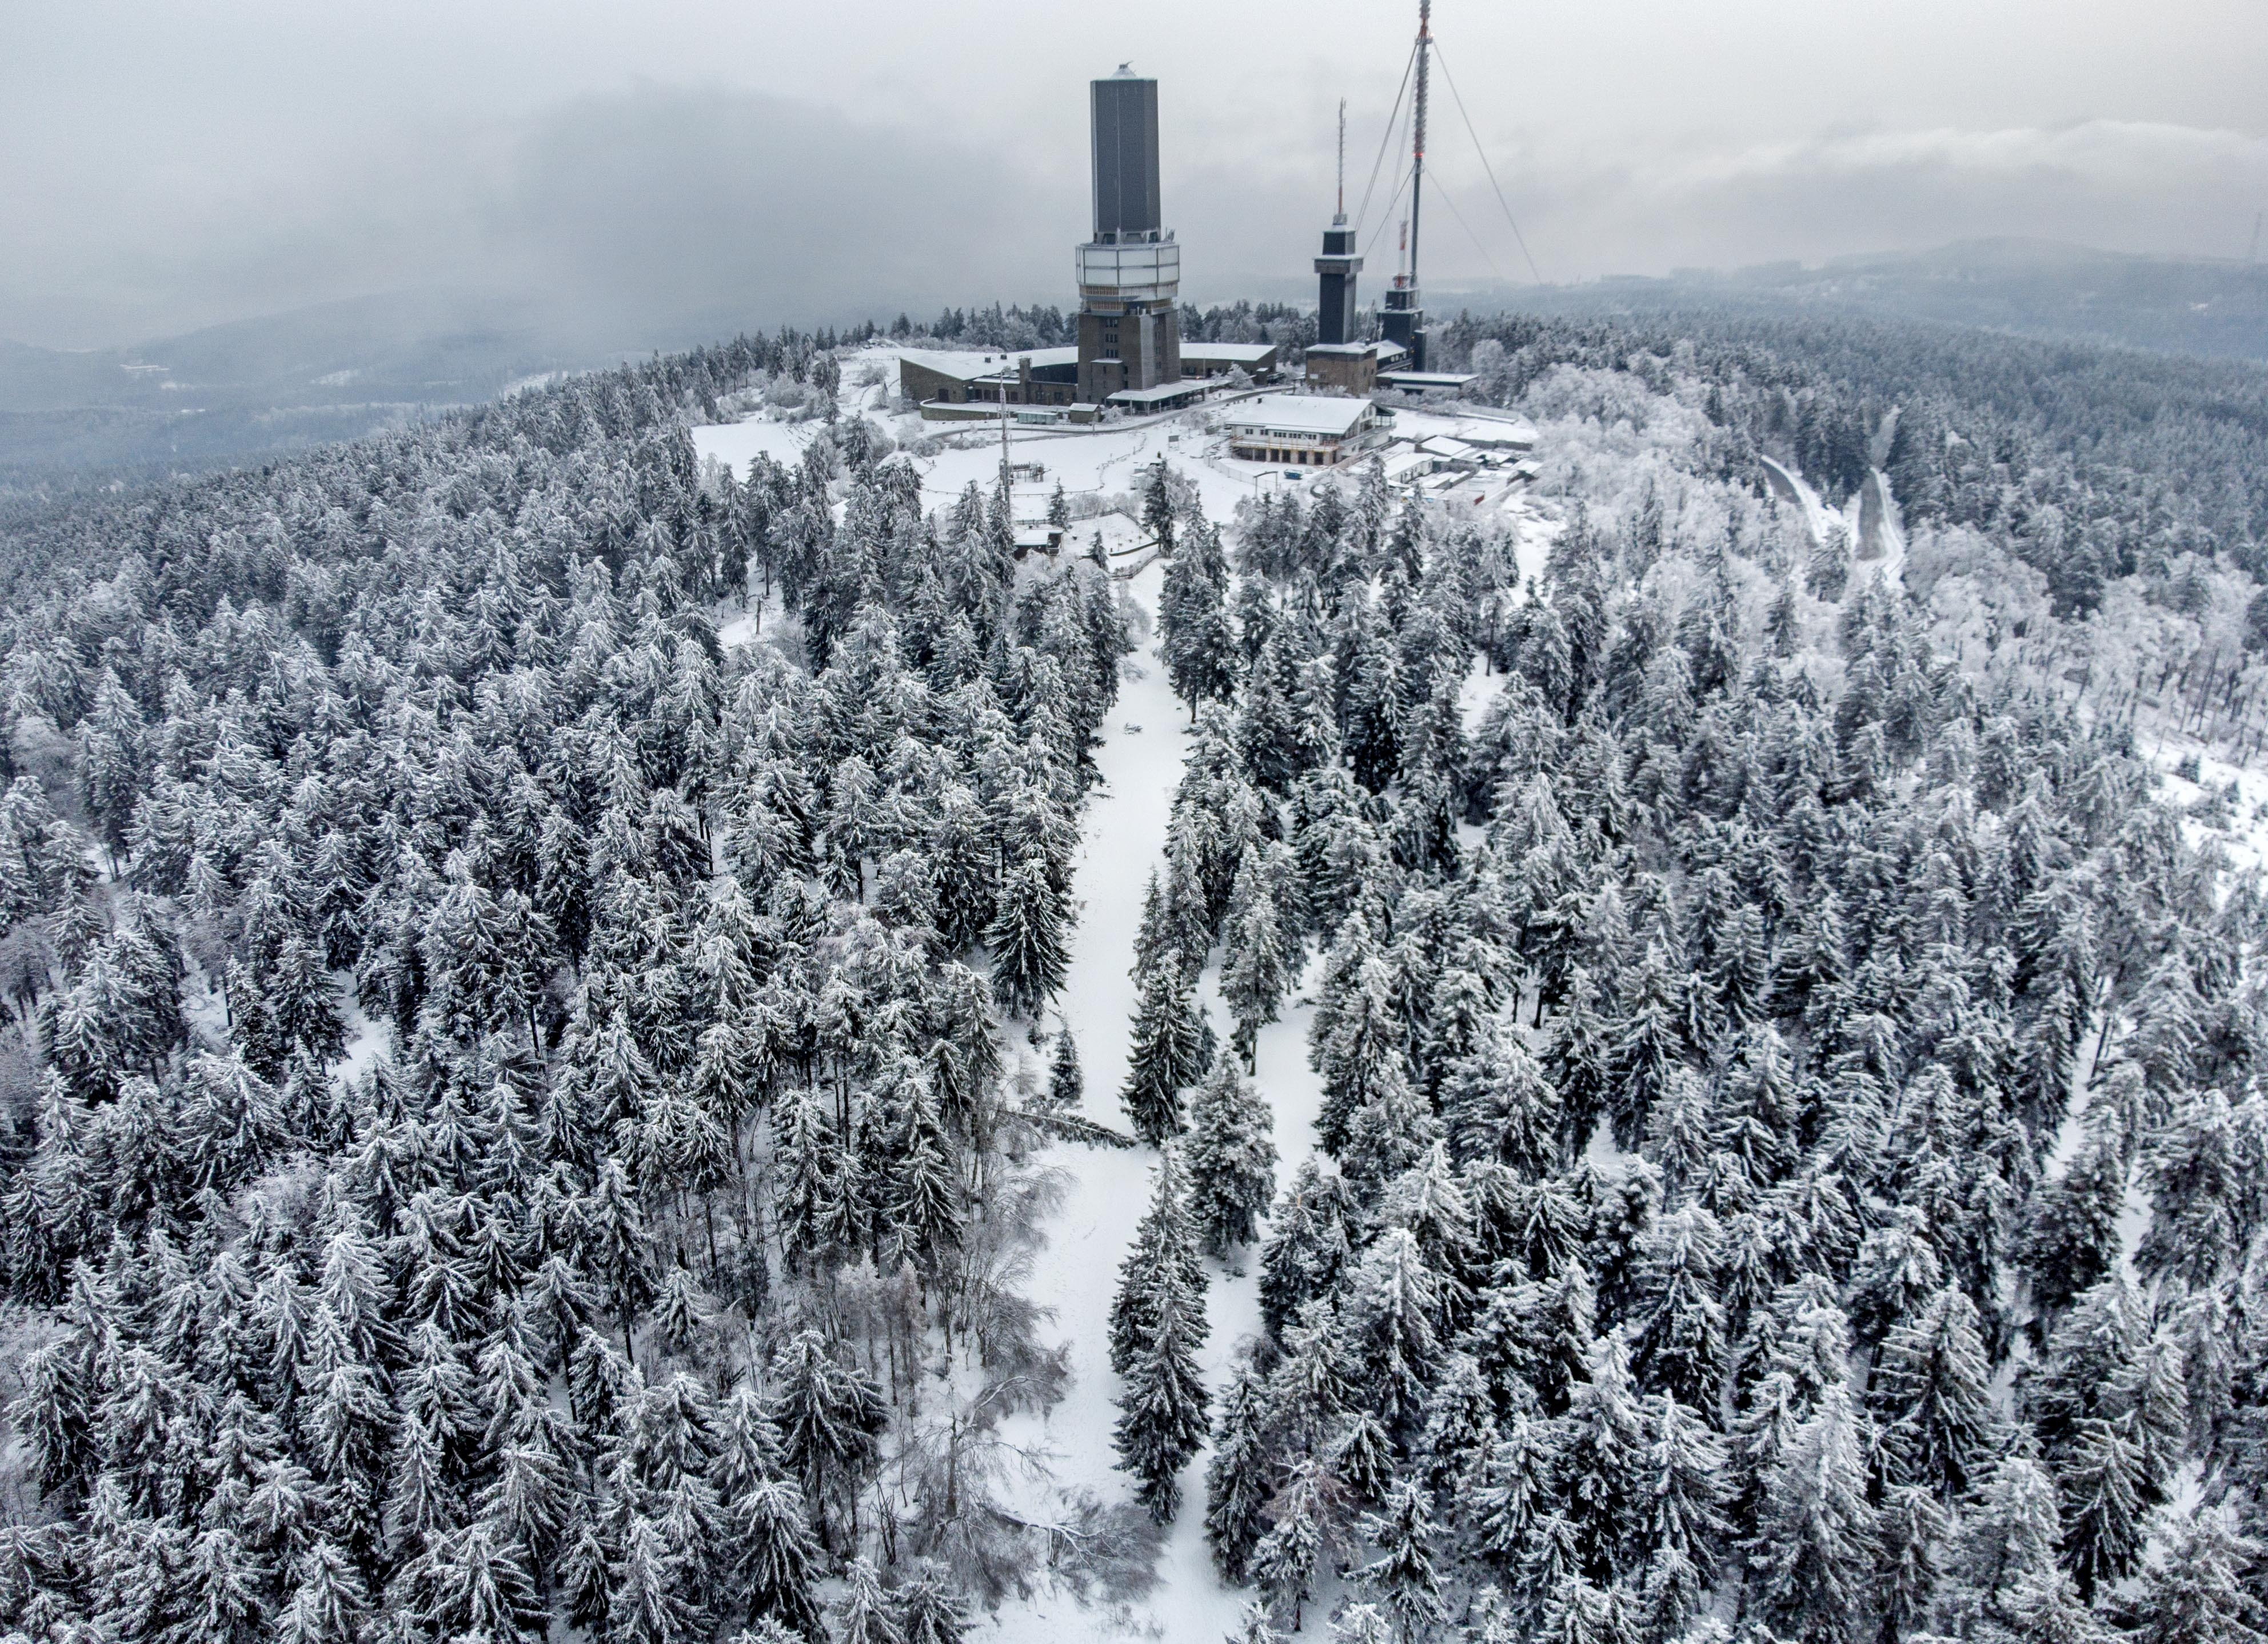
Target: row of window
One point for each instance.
(1302, 459)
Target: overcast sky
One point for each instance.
(740, 162)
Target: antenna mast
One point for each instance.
(1418, 130)
(1007, 481)
(1340, 217)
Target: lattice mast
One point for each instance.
(1417, 132)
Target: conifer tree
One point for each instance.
(1162, 1258)
(1161, 1421)
(1030, 958)
(2193, 1590)
(1309, 1243)
(864, 1614)
(1931, 1391)
(1257, 973)
(1403, 1573)
(1231, 1159)
(778, 1559)
(1815, 1542)
(1285, 1562)
(1239, 1479)
(1066, 1084)
(1165, 1056)
(929, 1609)
(2004, 1545)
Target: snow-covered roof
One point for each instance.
(1299, 413)
(1456, 449)
(1010, 361)
(1383, 348)
(1425, 380)
(966, 363)
(1242, 353)
(1476, 432)
(1163, 394)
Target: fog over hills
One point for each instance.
(2214, 307)
(278, 383)
(257, 387)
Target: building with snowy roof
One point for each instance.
(1305, 430)
(1256, 360)
(1350, 368)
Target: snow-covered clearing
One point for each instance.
(1076, 1275)
(1123, 835)
(741, 443)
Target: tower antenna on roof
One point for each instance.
(1401, 320)
(1340, 217)
(1418, 142)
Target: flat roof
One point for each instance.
(1383, 348)
(1009, 363)
(1425, 380)
(1162, 394)
(962, 363)
(1300, 414)
(1251, 353)
(1476, 432)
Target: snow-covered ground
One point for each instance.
(1123, 834)
(1076, 1275)
(1098, 461)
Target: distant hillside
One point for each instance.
(2217, 308)
(258, 388)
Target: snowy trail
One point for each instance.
(1076, 1275)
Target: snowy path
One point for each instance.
(1076, 1275)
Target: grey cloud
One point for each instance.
(662, 213)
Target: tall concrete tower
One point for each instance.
(1130, 274)
(1340, 263)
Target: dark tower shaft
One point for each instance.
(1126, 134)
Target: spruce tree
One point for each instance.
(1030, 958)
(1164, 1058)
(2194, 1589)
(1815, 1542)
(1239, 1478)
(1931, 1393)
(1162, 1258)
(1066, 1084)
(1258, 969)
(929, 1609)
(1231, 1159)
(1404, 1574)
(1161, 1421)
(864, 1614)
(1285, 1562)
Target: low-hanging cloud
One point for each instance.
(663, 213)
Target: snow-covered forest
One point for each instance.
(543, 1062)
